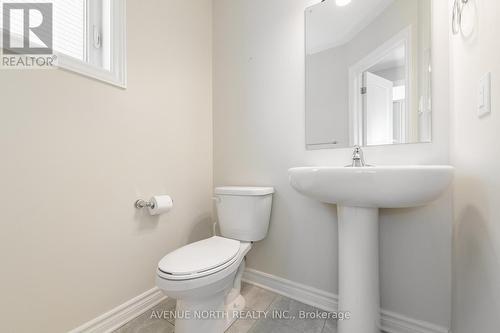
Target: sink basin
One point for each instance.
(359, 193)
(377, 187)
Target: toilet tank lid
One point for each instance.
(244, 190)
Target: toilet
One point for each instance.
(205, 277)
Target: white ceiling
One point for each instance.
(396, 58)
(328, 25)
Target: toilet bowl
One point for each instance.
(205, 277)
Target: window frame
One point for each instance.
(117, 75)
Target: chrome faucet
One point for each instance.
(358, 159)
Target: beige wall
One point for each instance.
(476, 155)
(259, 134)
(77, 153)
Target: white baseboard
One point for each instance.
(122, 314)
(396, 323)
(391, 322)
(302, 293)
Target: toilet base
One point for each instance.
(225, 313)
(201, 315)
(234, 307)
(212, 313)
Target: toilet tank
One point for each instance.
(244, 212)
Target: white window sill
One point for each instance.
(70, 64)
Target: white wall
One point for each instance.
(259, 134)
(476, 292)
(77, 153)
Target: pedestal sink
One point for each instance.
(359, 193)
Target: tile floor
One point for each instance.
(257, 299)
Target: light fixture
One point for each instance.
(342, 3)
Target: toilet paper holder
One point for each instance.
(157, 205)
(139, 204)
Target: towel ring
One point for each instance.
(456, 22)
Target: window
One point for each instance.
(88, 37)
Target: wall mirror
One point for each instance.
(368, 73)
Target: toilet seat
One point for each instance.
(199, 259)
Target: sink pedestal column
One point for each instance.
(359, 269)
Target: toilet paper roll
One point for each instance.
(162, 204)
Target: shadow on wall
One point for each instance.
(201, 229)
(476, 268)
(201, 226)
(145, 221)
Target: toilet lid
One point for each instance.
(199, 257)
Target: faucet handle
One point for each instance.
(358, 159)
(358, 153)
